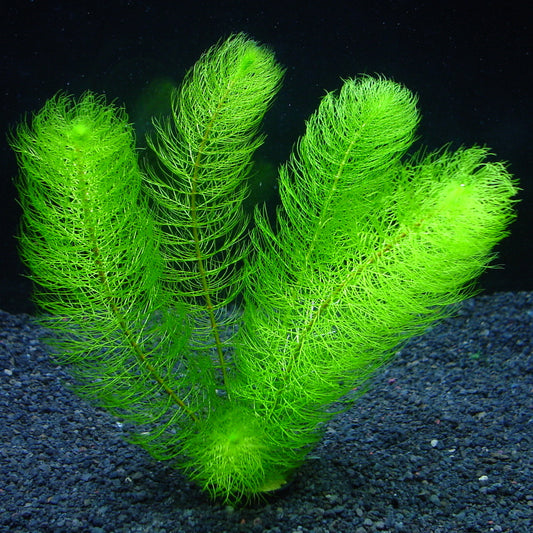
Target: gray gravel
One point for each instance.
(441, 443)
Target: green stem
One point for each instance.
(333, 296)
(197, 240)
(128, 334)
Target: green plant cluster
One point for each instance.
(227, 340)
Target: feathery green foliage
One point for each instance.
(205, 154)
(138, 270)
(94, 254)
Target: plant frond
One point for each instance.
(376, 255)
(205, 153)
(93, 250)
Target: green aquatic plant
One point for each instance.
(228, 341)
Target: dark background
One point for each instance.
(471, 69)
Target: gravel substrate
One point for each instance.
(442, 442)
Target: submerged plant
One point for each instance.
(228, 342)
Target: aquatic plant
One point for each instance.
(228, 341)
